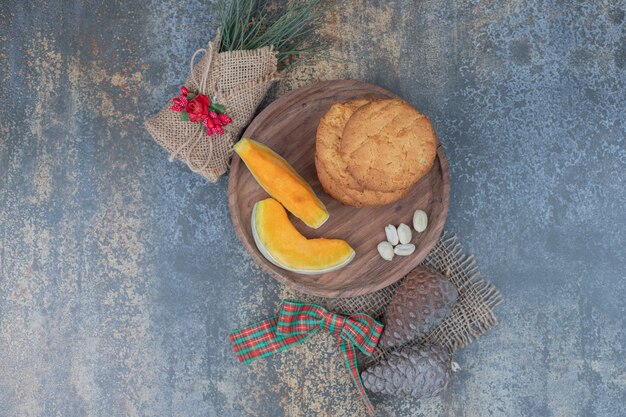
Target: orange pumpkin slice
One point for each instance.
(281, 243)
(282, 182)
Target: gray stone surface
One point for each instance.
(120, 274)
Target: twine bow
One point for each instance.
(205, 89)
(295, 322)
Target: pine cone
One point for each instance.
(416, 371)
(421, 302)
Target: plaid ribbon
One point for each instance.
(295, 322)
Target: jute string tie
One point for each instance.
(197, 136)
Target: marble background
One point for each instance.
(121, 275)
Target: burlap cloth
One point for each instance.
(237, 79)
(472, 316)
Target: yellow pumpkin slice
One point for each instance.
(281, 243)
(282, 182)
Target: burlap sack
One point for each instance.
(239, 80)
(472, 316)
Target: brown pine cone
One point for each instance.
(415, 371)
(421, 302)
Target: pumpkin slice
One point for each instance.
(282, 182)
(281, 243)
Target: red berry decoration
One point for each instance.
(197, 108)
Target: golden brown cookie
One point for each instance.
(388, 145)
(352, 197)
(331, 187)
(328, 141)
(332, 169)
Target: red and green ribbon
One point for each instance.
(295, 322)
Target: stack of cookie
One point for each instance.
(370, 152)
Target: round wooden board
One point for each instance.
(288, 126)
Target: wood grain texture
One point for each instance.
(288, 126)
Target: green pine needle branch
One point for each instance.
(249, 24)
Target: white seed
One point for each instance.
(404, 250)
(420, 221)
(404, 233)
(386, 250)
(392, 234)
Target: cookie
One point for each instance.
(388, 145)
(328, 140)
(332, 169)
(352, 197)
(332, 188)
